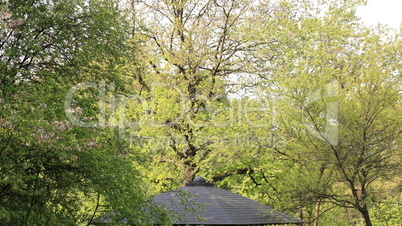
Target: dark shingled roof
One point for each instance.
(208, 205)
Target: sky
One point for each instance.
(384, 11)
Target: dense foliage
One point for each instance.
(53, 170)
(104, 103)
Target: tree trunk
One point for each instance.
(317, 212)
(300, 211)
(188, 174)
(366, 215)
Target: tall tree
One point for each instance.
(190, 49)
(339, 95)
(51, 167)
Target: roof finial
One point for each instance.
(199, 181)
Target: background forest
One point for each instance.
(105, 103)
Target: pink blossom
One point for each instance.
(70, 111)
(91, 144)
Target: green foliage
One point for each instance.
(321, 123)
(387, 213)
(313, 130)
(54, 171)
(188, 49)
(338, 95)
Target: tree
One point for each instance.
(190, 49)
(53, 170)
(339, 98)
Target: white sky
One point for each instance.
(382, 11)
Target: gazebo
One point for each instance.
(200, 203)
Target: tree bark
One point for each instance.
(364, 211)
(317, 212)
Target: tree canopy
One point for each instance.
(105, 103)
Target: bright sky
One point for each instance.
(384, 11)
